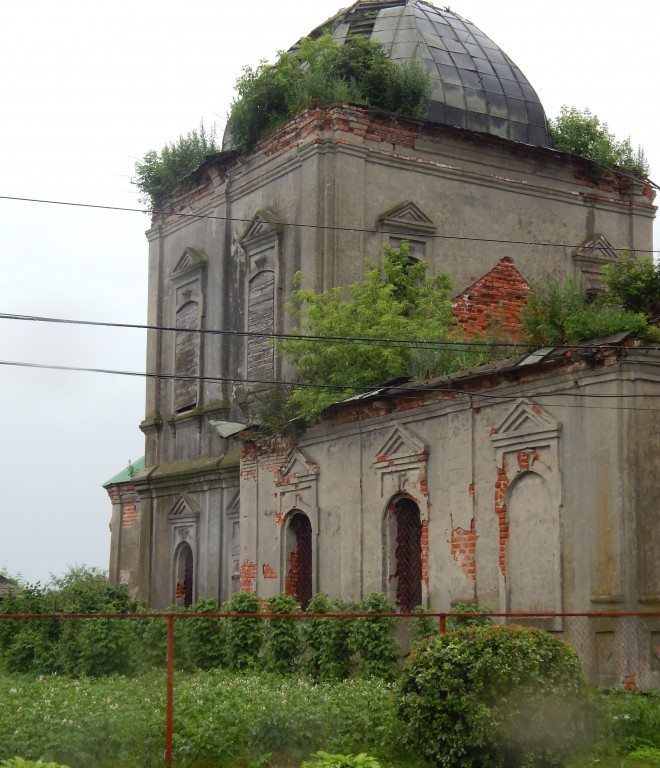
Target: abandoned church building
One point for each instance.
(525, 485)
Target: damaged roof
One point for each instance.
(476, 86)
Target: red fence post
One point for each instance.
(443, 623)
(170, 689)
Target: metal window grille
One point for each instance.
(188, 579)
(303, 582)
(408, 555)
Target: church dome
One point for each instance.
(475, 84)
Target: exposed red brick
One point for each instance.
(129, 514)
(269, 572)
(291, 581)
(463, 549)
(492, 304)
(501, 486)
(425, 551)
(248, 576)
(629, 682)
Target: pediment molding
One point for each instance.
(400, 447)
(525, 423)
(298, 469)
(405, 217)
(265, 224)
(191, 260)
(597, 251)
(184, 508)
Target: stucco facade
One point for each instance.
(320, 196)
(534, 483)
(499, 482)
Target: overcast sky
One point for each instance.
(86, 89)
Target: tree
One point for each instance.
(398, 302)
(634, 284)
(582, 133)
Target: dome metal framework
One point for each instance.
(476, 86)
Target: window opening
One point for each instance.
(298, 581)
(408, 555)
(184, 576)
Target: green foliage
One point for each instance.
(18, 762)
(424, 627)
(78, 647)
(632, 722)
(243, 637)
(322, 73)
(456, 622)
(325, 760)
(203, 640)
(283, 644)
(582, 133)
(494, 696)
(398, 302)
(159, 173)
(634, 284)
(373, 641)
(558, 313)
(328, 642)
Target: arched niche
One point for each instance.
(184, 569)
(298, 581)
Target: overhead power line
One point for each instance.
(334, 228)
(411, 343)
(401, 389)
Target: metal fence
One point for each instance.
(616, 648)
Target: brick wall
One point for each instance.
(462, 549)
(492, 304)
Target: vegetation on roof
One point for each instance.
(399, 301)
(322, 73)
(582, 133)
(159, 173)
(564, 313)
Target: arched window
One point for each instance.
(186, 357)
(298, 581)
(261, 320)
(184, 575)
(406, 540)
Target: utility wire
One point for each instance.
(401, 389)
(411, 343)
(333, 228)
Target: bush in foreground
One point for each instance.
(494, 696)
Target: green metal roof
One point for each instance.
(125, 475)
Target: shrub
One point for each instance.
(76, 646)
(324, 760)
(377, 649)
(456, 622)
(328, 642)
(159, 173)
(557, 313)
(493, 696)
(243, 637)
(282, 647)
(203, 639)
(634, 284)
(322, 73)
(582, 133)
